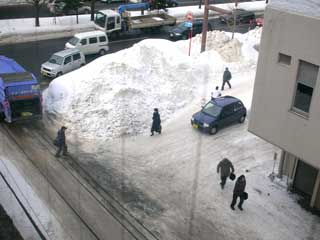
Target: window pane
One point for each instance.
(102, 39)
(303, 97)
(84, 41)
(307, 73)
(93, 40)
(76, 56)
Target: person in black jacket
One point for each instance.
(238, 191)
(156, 122)
(61, 142)
(226, 78)
(225, 167)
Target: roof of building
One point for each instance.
(304, 7)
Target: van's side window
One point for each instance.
(84, 41)
(67, 60)
(93, 40)
(102, 39)
(76, 56)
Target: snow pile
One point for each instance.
(122, 89)
(229, 49)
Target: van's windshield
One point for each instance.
(55, 59)
(74, 41)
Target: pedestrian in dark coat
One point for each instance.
(238, 191)
(224, 167)
(226, 78)
(61, 142)
(156, 122)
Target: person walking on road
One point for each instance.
(225, 167)
(60, 142)
(238, 191)
(226, 78)
(216, 93)
(156, 122)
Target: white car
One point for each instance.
(63, 62)
(92, 42)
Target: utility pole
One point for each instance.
(205, 21)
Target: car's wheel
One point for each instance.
(86, 11)
(59, 74)
(242, 119)
(174, 5)
(82, 64)
(214, 130)
(184, 37)
(102, 52)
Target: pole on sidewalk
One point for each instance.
(205, 26)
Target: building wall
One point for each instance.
(275, 84)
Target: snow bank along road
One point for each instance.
(23, 30)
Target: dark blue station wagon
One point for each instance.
(219, 113)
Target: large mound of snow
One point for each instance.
(116, 93)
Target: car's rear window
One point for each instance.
(212, 109)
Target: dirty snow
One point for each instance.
(118, 95)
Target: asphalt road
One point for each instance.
(27, 10)
(32, 54)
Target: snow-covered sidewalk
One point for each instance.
(24, 30)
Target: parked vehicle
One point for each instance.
(92, 42)
(242, 16)
(219, 113)
(182, 31)
(172, 3)
(58, 7)
(111, 1)
(20, 95)
(63, 62)
(121, 22)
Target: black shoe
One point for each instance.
(240, 208)
(222, 186)
(151, 134)
(232, 207)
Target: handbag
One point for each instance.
(56, 142)
(232, 176)
(245, 195)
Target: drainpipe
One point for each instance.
(280, 169)
(315, 190)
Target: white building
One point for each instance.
(286, 100)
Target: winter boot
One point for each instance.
(240, 207)
(232, 207)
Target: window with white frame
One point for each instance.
(306, 82)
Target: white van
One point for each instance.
(63, 62)
(90, 42)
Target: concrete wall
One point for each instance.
(271, 118)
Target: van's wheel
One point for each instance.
(102, 52)
(59, 74)
(242, 119)
(213, 130)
